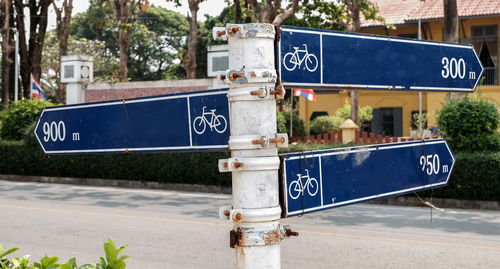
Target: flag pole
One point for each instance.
(291, 112)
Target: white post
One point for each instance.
(16, 68)
(420, 132)
(254, 161)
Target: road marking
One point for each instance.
(183, 221)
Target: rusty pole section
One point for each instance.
(254, 163)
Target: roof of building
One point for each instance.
(398, 12)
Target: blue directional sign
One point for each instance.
(339, 177)
(178, 122)
(318, 58)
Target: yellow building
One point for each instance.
(479, 21)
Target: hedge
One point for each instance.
(476, 176)
(27, 158)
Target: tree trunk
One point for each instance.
(63, 20)
(31, 56)
(190, 57)
(126, 13)
(237, 5)
(450, 21)
(7, 49)
(355, 26)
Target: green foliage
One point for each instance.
(325, 124)
(332, 15)
(112, 260)
(158, 38)
(364, 113)
(19, 116)
(470, 125)
(283, 123)
(475, 176)
(18, 158)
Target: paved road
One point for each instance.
(166, 229)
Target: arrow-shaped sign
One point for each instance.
(319, 58)
(178, 122)
(338, 177)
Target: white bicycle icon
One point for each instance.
(292, 60)
(217, 122)
(297, 186)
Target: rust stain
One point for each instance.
(272, 237)
(234, 29)
(238, 165)
(238, 217)
(235, 75)
(289, 232)
(221, 33)
(235, 238)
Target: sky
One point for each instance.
(210, 7)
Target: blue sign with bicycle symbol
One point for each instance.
(331, 178)
(176, 122)
(300, 58)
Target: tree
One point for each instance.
(156, 39)
(31, 54)
(190, 56)
(354, 26)
(7, 49)
(126, 13)
(106, 64)
(270, 11)
(63, 20)
(450, 29)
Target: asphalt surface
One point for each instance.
(167, 229)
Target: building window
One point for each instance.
(387, 121)
(485, 42)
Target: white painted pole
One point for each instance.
(420, 132)
(254, 161)
(291, 113)
(16, 68)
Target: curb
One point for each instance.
(395, 201)
(120, 183)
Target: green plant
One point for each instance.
(325, 124)
(283, 122)
(15, 120)
(112, 260)
(364, 113)
(470, 125)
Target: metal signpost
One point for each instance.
(338, 177)
(318, 58)
(178, 122)
(243, 120)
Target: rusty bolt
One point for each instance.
(226, 213)
(226, 165)
(222, 77)
(277, 140)
(234, 29)
(289, 232)
(261, 142)
(252, 74)
(235, 75)
(260, 92)
(238, 217)
(221, 33)
(238, 165)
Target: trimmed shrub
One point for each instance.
(470, 125)
(475, 176)
(298, 128)
(19, 116)
(325, 124)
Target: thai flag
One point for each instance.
(36, 89)
(307, 93)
